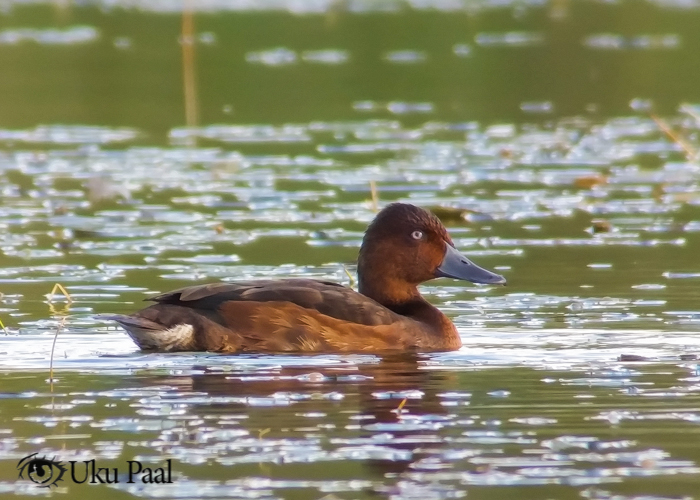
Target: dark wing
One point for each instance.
(327, 298)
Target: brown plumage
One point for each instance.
(403, 247)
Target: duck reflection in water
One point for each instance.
(366, 416)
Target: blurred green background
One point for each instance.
(131, 73)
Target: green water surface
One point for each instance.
(533, 121)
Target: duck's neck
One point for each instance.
(440, 333)
(403, 299)
(389, 292)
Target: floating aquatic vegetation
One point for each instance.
(462, 50)
(326, 56)
(612, 41)
(656, 42)
(510, 39)
(394, 107)
(402, 108)
(207, 38)
(122, 42)
(274, 57)
(69, 135)
(50, 36)
(405, 57)
(366, 106)
(282, 56)
(544, 107)
(607, 41)
(242, 133)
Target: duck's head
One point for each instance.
(406, 245)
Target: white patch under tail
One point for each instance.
(177, 338)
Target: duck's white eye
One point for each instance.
(417, 235)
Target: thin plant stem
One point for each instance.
(59, 288)
(53, 349)
(188, 71)
(375, 195)
(352, 278)
(399, 409)
(690, 152)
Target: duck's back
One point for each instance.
(293, 315)
(325, 297)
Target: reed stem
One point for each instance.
(188, 70)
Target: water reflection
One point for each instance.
(369, 394)
(277, 424)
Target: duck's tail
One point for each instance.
(152, 336)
